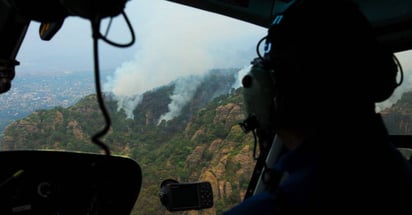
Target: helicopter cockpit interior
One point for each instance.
(74, 182)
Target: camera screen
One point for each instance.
(185, 195)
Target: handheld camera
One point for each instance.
(177, 196)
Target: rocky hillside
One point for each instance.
(204, 143)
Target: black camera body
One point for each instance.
(177, 196)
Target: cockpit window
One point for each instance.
(174, 98)
(396, 110)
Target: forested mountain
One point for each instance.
(203, 143)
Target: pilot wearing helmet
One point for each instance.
(329, 71)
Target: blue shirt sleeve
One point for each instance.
(263, 204)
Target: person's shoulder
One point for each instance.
(264, 203)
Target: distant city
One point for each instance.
(35, 91)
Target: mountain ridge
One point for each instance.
(204, 143)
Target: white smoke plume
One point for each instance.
(176, 41)
(128, 104)
(185, 89)
(404, 59)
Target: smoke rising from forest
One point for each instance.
(175, 42)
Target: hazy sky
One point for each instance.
(171, 41)
(163, 29)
